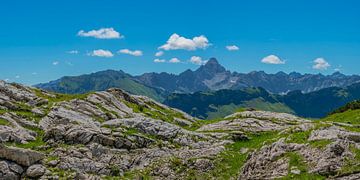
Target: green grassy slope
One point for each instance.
(257, 103)
(215, 104)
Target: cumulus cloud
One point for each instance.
(197, 60)
(101, 53)
(194, 60)
(55, 63)
(320, 64)
(272, 59)
(174, 60)
(133, 53)
(178, 42)
(232, 48)
(73, 52)
(103, 33)
(159, 60)
(159, 53)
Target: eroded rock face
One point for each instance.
(329, 160)
(334, 133)
(266, 115)
(23, 157)
(269, 162)
(9, 170)
(12, 93)
(15, 132)
(256, 121)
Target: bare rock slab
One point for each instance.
(23, 157)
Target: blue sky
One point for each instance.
(306, 36)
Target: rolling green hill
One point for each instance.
(348, 114)
(215, 104)
(100, 81)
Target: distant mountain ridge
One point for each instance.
(213, 76)
(100, 81)
(215, 104)
(209, 77)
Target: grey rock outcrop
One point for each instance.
(35, 171)
(23, 157)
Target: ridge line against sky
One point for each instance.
(39, 42)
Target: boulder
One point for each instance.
(35, 171)
(23, 157)
(6, 172)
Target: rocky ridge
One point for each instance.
(111, 135)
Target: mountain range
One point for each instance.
(211, 91)
(211, 76)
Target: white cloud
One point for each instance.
(178, 42)
(101, 53)
(73, 52)
(55, 63)
(159, 60)
(103, 33)
(272, 59)
(17, 76)
(232, 48)
(197, 60)
(320, 64)
(133, 53)
(159, 53)
(194, 60)
(174, 60)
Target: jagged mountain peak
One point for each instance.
(212, 61)
(281, 73)
(212, 66)
(337, 74)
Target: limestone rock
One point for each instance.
(35, 171)
(23, 157)
(10, 170)
(268, 162)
